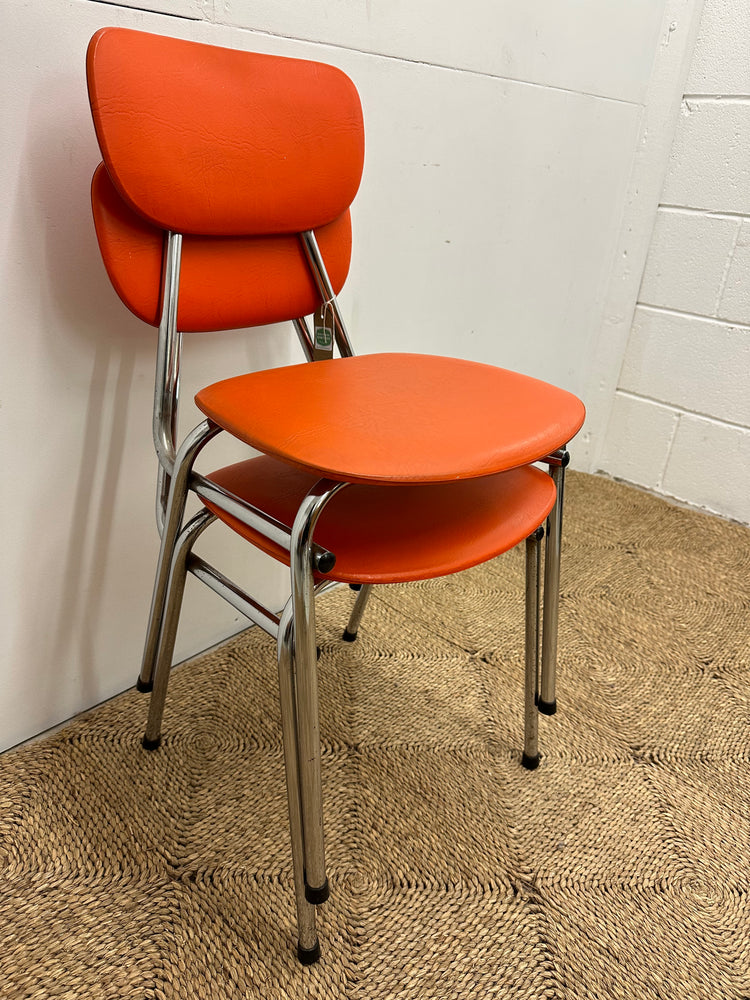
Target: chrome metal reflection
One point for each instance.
(288, 697)
(326, 292)
(166, 388)
(191, 447)
(234, 595)
(531, 673)
(170, 618)
(555, 458)
(547, 702)
(303, 335)
(355, 618)
(306, 668)
(255, 518)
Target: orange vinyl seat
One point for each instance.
(395, 418)
(395, 535)
(214, 210)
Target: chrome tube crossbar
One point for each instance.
(325, 585)
(275, 531)
(243, 511)
(234, 595)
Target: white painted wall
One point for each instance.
(680, 423)
(499, 182)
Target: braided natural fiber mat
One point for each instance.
(619, 869)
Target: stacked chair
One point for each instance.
(223, 202)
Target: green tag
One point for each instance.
(323, 338)
(323, 335)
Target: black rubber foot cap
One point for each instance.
(151, 744)
(144, 686)
(319, 895)
(530, 763)
(349, 636)
(547, 707)
(308, 956)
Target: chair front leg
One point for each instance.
(308, 946)
(547, 700)
(306, 670)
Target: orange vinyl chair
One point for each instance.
(223, 202)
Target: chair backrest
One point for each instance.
(218, 142)
(225, 282)
(237, 151)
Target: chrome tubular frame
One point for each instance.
(547, 703)
(170, 619)
(306, 672)
(304, 337)
(256, 519)
(182, 480)
(355, 618)
(197, 439)
(325, 289)
(234, 595)
(308, 947)
(167, 383)
(531, 755)
(556, 458)
(294, 630)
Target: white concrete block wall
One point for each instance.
(698, 364)
(721, 63)
(687, 262)
(680, 423)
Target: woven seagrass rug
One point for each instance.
(620, 868)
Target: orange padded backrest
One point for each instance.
(225, 282)
(213, 141)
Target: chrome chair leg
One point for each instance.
(306, 669)
(531, 756)
(170, 619)
(308, 946)
(547, 703)
(175, 511)
(350, 632)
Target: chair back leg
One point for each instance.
(169, 621)
(355, 618)
(194, 442)
(547, 698)
(531, 755)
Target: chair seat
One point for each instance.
(397, 418)
(391, 534)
